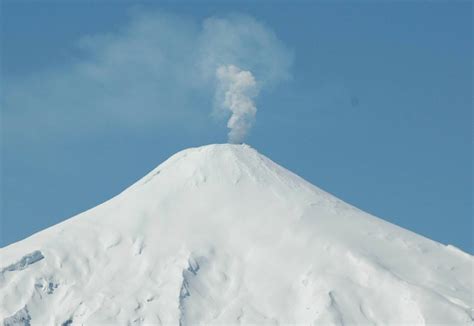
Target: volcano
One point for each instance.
(220, 234)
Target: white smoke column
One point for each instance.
(236, 90)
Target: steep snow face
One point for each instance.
(222, 235)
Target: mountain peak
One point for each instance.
(220, 234)
(216, 153)
(223, 164)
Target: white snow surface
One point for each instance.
(220, 234)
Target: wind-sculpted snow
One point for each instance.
(222, 235)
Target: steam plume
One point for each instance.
(236, 90)
(167, 79)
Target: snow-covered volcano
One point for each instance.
(220, 234)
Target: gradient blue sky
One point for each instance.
(376, 109)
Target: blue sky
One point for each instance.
(371, 102)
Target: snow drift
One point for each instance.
(222, 235)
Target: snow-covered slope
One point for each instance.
(222, 235)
